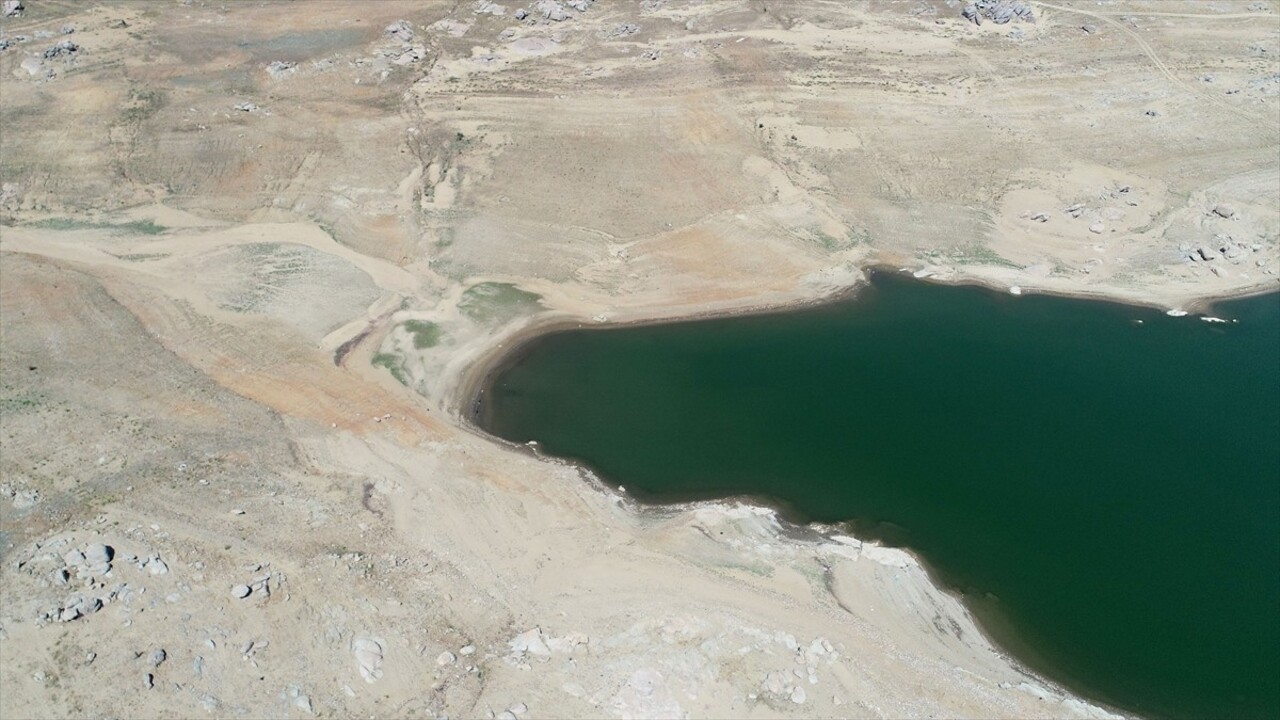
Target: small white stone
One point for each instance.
(240, 591)
(445, 658)
(798, 695)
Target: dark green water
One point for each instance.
(1102, 482)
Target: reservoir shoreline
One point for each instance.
(518, 345)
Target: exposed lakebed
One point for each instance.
(1101, 481)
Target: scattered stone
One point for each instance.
(245, 107)
(1207, 254)
(467, 650)
(66, 47)
(280, 68)
(445, 658)
(625, 29)
(798, 695)
(240, 592)
(1041, 217)
(89, 657)
(197, 666)
(519, 708)
(13, 8)
(653, 54)
(1151, 113)
(1089, 29)
(522, 14)
(1097, 228)
(400, 30)
(156, 566)
(148, 681)
(1224, 211)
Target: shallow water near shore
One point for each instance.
(1101, 481)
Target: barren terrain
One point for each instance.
(253, 255)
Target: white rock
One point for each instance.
(467, 650)
(157, 567)
(798, 695)
(240, 591)
(531, 642)
(369, 654)
(519, 708)
(445, 658)
(97, 554)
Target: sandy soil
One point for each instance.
(254, 256)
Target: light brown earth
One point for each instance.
(207, 311)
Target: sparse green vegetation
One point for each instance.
(15, 400)
(392, 364)
(981, 255)
(425, 334)
(142, 105)
(494, 303)
(137, 227)
(142, 257)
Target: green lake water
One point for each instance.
(1100, 481)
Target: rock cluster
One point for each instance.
(1222, 246)
(787, 684)
(552, 10)
(65, 48)
(999, 12)
(400, 30)
(13, 8)
(404, 52)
